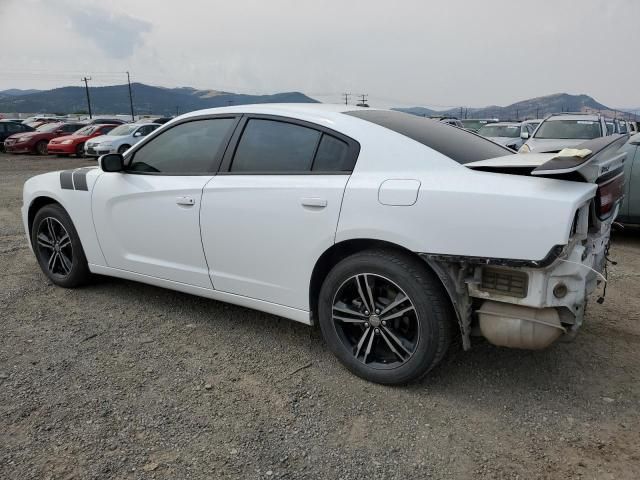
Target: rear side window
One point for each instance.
(332, 156)
(188, 148)
(269, 146)
(457, 144)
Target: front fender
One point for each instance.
(72, 190)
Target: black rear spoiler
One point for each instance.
(605, 158)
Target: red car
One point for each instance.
(36, 142)
(74, 143)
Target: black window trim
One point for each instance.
(353, 146)
(215, 161)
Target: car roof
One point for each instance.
(573, 116)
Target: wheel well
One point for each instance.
(36, 205)
(340, 251)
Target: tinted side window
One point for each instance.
(272, 146)
(190, 147)
(332, 156)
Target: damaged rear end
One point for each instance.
(530, 304)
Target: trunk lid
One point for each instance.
(601, 162)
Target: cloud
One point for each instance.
(117, 35)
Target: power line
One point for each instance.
(363, 100)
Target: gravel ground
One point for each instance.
(123, 380)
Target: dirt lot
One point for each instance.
(123, 380)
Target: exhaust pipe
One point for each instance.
(515, 326)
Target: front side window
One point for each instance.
(269, 146)
(188, 148)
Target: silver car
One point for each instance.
(565, 130)
(509, 134)
(630, 209)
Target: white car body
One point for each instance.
(257, 240)
(113, 143)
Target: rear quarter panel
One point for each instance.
(458, 211)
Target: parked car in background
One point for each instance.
(562, 130)
(325, 214)
(533, 122)
(37, 141)
(613, 126)
(119, 140)
(509, 134)
(106, 121)
(449, 121)
(8, 128)
(630, 209)
(161, 120)
(474, 124)
(633, 127)
(74, 144)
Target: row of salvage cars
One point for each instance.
(68, 137)
(394, 233)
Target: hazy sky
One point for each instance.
(402, 52)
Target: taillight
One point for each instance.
(609, 192)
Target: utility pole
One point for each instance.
(177, 110)
(363, 100)
(86, 87)
(133, 118)
(517, 114)
(346, 98)
(461, 112)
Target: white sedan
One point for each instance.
(118, 140)
(393, 232)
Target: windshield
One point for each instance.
(86, 130)
(48, 127)
(123, 130)
(474, 124)
(569, 129)
(457, 144)
(511, 131)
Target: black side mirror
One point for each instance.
(111, 162)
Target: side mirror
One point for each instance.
(111, 162)
(524, 135)
(137, 134)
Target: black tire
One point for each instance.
(70, 269)
(427, 327)
(80, 150)
(41, 147)
(123, 148)
(62, 155)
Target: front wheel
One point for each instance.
(385, 316)
(80, 150)
(41, 147)
(57, 247)
(123, 149)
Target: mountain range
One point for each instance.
(147, 99)
(537, 107)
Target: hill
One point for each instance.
(532, 108)
(147, 99)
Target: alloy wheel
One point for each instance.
(376, 321)
(54, 246)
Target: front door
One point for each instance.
(148, 218)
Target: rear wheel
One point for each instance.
(123, 149)
(58, 248)
(41, 147)
(385, 316)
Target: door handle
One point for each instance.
(313, 202)
(188, 201)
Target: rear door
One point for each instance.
(273, 208)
